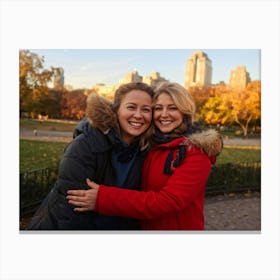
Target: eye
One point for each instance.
(146, 110)
(157, 108)
(130, 107)
(173, 108)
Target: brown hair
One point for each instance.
(126, 88)
(102, 113)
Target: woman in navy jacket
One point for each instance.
(109, 147)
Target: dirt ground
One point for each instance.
(233, 212)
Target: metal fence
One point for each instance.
(234, 177)
(224, 178)
(34, 186)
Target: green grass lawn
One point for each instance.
(47, 125)
(40, 154)
(239, 154)
(234, 135)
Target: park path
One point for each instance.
(56, 136)
(234, 212)
(67, 136)
(242, 142)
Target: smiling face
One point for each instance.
(166, 115)
(134, 114)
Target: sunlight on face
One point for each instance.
(135, 114)
(167, 116)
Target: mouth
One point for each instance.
(136, 124)
(165, 122)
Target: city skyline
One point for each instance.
(83, 68)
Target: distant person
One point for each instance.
(109, 147)
(174, 174)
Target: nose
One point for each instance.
(138, 114)
(164, 112)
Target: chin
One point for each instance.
(136, 134)
(165, 129)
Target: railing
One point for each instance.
(234, 177)
(34, 186)
(224, 178)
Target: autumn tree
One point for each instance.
(245, 106)
(231, 106)
(73, 104)
(204, 102)
(33, 80)
(52, 103)
(215, 111)
(200, 96)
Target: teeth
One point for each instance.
(136, 124)
(165, 122)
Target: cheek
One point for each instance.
(179, 117)
(155, 115)
(122, 114)
(150, 117)
(182, 119)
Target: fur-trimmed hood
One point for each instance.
(100, 113)
(210, 141)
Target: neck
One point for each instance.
(128, 140)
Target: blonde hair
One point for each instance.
(181, 98)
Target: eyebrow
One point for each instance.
(172, 104)
(131, 103)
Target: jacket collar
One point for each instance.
(208, 141)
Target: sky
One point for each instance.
(83, 68)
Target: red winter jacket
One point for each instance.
(167, 202)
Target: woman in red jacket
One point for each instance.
(174, 174)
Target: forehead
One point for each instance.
(137, 97)
(164, 98)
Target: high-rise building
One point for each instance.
(131, 77)
(198, 70)
(153, 79)
(239, 78)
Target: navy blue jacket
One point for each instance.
(87, 156)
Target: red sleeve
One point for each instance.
(187, 181)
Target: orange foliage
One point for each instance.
(73, 104)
